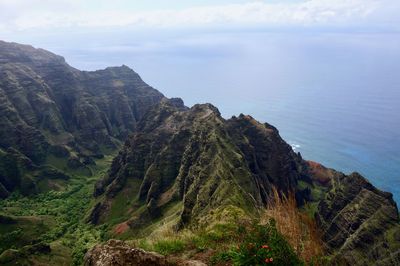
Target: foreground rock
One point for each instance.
(116, 252)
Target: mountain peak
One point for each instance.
(27, 54)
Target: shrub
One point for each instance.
(298, 228)
(264, 245)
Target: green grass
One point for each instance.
(238, 243)
(168, 247)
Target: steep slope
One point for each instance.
(200, 163)
(192, 168)
(49, 110)
(360, 223)
(181, 167)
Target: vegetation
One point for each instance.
(296, 226)
(283, 235)
(262, 245)
(242, 242)
(56, 218)
(166, 247)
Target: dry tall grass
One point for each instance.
(299, 229)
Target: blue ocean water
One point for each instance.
(334, 96)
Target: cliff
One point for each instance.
(189, 167)
(181, 167)
(49, 110)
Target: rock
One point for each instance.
(192, 263)
(194, 156)
(359, 222)
(116, 252)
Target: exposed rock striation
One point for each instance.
(48, 108)
(187, 167)
(196, 158)
(360, 223)
(208, 168)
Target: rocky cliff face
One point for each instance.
(186, 167)
(48, 108)
(360, 223)
(191, 167)
(199, 162)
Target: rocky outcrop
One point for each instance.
(183, 166)
(48, 108)
(116, 252)
(196, 158)
(207, 167)
(360, 224)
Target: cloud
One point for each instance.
(46, 14)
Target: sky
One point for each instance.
(19, 16)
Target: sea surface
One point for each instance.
(333, 95)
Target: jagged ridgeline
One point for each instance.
(177, 167)
(189, 167)
(55, 118)
(194, 166)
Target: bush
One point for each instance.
(263, 245)
(298, 228)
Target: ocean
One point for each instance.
(334, 95)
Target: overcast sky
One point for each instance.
(49, 15)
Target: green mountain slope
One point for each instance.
(52, 114)
(191, 168)
(64, 187)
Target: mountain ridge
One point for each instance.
(231, 166)
(182, 167)
(50, 109)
